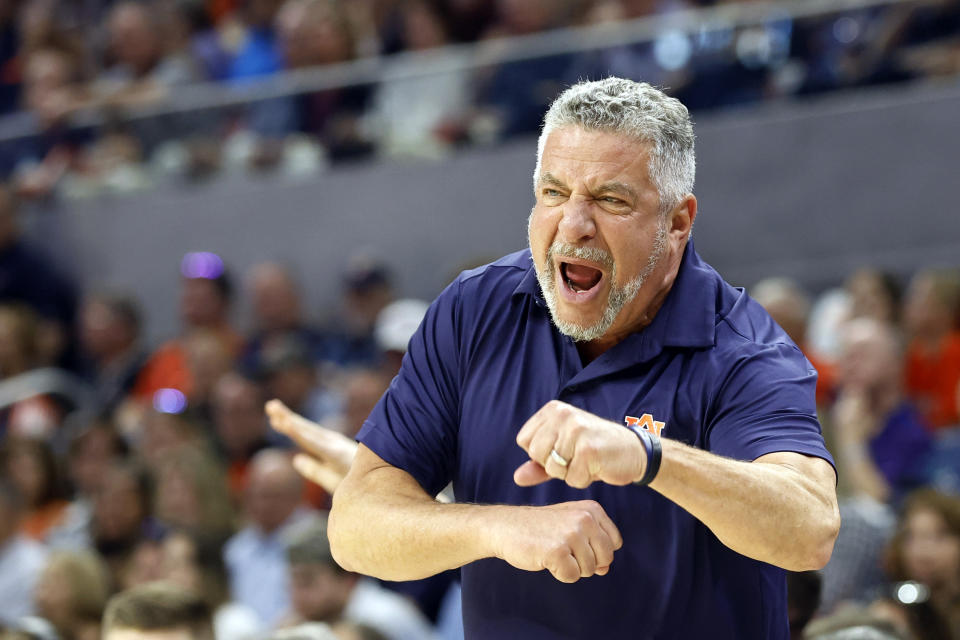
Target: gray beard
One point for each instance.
(619, 296)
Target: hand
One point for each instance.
(330, 453)
(852, 418)
(595, 449)
(571, 540)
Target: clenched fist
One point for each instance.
(571, 540)
(593, 449)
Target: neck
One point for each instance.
(592, 350)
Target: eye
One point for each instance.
(551, 193)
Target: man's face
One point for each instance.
(317, 592)
(601, 249)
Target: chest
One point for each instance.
(509, 377)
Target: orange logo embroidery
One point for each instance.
(646, 422)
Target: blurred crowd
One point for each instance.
(78, 80)
(888, 356)
(125, 462)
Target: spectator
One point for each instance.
(277, 311)
(195, 562)
(53, 91)
(72, 592)
(403, 123)
(21, 559)
(205, 297)
(313, 33)
(933, 355)
(259, 53)
(396, 324)
(162, 434)
(31, 466)
(122, 515)
(91, 453)
(874, 294)
(789, 306)
(468, 20)
(194, 30)
(514, 98)
(157, 611)
(191, 494)
(110, 346)
(256, 555)
(290, 375)
(854, 624)
(881, 439)
(362, 389)
(210, 356)
(926, 549)
(142, 71)
(28, 277)
(240, 428)
(29, 414)
(323, 592)
(367, 289)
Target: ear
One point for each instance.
(680, 220)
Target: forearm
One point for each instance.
(402, 535)
(769, 512)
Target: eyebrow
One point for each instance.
(549, 178)
(621, 188)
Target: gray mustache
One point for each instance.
(566, 250)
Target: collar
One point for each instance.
(687, 318)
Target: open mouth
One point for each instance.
(580, 278)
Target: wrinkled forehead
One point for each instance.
(593, 144)
(574, 155)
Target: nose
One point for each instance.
(577, 223)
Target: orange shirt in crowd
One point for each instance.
(932, 380)
(38, 522)
(167, 368)
(826, 378)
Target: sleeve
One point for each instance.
(414, 426)
(765, 404)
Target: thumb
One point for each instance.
(530, 473)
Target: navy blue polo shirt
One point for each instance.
(712, 367)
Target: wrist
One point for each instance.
(652, 455)
(488, 535)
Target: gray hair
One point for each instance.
(641, 111)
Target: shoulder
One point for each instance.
(238, 544)
(499, 278)
(486, 290)
(746, 331)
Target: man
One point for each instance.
(321, 591)
(615, 320)
(256, 556)
(110, 346)
(882, 440)
(238, 424)
(157, 611)
(21, 559)
(883, 450)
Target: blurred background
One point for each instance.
(209, 203)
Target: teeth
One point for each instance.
(573, 287)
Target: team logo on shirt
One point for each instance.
(645, 422)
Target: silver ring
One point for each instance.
(559, 459)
